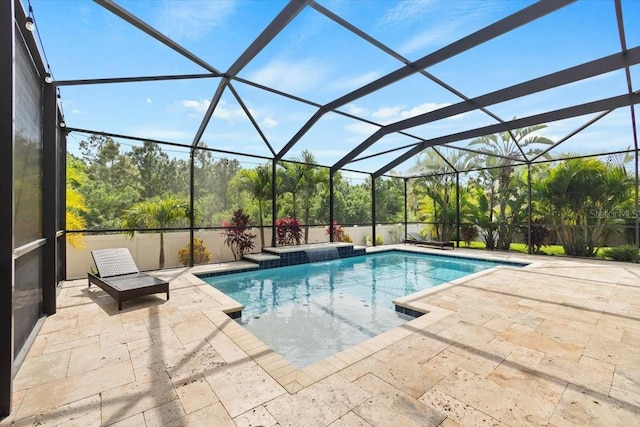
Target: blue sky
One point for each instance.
(316, 59)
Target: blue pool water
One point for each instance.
(308, 312)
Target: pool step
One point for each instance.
(264, 260)
(282, 256)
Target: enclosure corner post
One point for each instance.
(457, 209)
(373, 210)
(406, 213)
(192, 188)
(274, 208)
(331, 205)
(529, 210)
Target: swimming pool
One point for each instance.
(308, 312)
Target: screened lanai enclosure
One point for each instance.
(195, 132)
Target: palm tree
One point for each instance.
(258, 183)
(515, 144)
(436, 191)
(579, 196)
(290, 181)
(311, 177)
(156, 213)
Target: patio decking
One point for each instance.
(555, 343)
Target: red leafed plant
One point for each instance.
(238, 238)
(289, 231)
(338, 232)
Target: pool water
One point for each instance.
(308, 312)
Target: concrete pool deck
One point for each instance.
(554, 343)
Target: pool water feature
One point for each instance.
(322, 254)
(308, 312)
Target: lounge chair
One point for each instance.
(415, 239)
(119, 276)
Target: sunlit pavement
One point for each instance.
(555, 343)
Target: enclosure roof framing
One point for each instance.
(580, 72)
(496, 29)
(119, 11)
(564, 113)
(381, 144)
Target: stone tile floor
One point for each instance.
(556, 343)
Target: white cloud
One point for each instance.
(421, 109)
(223, 110)
(149, 101)
(269, 122)
(393, 114)
(361, 128)
(288, 76)
(429, 24)
(351, 83)
(354, 109)
(432, 37)
(76, 111)
(193, 20)
(386, 113)
(405, 12)
(198, 106)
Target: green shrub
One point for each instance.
(201, 254)
(622, 253)
(366, 240)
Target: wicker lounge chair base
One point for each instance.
(129, 286)
(119, 277)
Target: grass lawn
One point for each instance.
(552, 250)
(620, 253)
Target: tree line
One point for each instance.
(577, 201)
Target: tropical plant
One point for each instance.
(288, 231)
(258, 183)
(488, 229)
(201, 255)
(508, 148)
(338, 232)
(435, 193)
(626, 253)
(156, 213)
(468, 232)
(578, 194)
(289, 181)
(237, 237)
(366, 240)
(312, 177)
(539, 235)
(396, 232)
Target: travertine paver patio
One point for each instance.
(556, 343)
